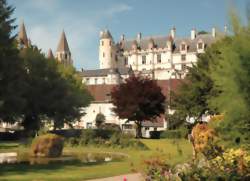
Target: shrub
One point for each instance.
(48, 145)
(181, 132)
(171, 134)
(155, 134)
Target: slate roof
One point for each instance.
(63, 44)
(104, 72)
(106, 34)
(50, 54)
(161, 42)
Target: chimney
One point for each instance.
(122, 37)
(173, 32)
(193, 34)
(213, 32)
(139, 37)
(225, 29)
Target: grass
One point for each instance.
(174, 151)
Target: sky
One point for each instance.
(82, 21)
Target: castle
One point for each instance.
(163, 58)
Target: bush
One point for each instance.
(155, 134)
(48, 145)
(182, 132)
(67, 133)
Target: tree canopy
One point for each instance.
(54, 92)
(11, 69)
(138, 99)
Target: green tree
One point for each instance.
(231, 74)
(138, 99)
(54, 93)
(99, 120)
(11, 69)
(191, 98)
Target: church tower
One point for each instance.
(106, 50)
(63, 53)
(22, 38)
(50, 54)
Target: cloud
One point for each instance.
(117, 8)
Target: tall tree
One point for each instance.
(231, 74)
(11, 69)
(193, 95)
(138, 99)
(54, 92)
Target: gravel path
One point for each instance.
(127, 177)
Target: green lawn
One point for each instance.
(166, 148)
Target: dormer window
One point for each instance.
(200, 45)
(102, 43)
(183, 47)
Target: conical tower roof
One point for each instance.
(50, 54)
(22, 35)
(63, 44)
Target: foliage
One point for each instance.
(133, 104)
(106, 138)
(11, 69)
(204, 139)
(99, 120)
(231, 74)
(191, 98)
(181, 132)
(53, 93)
(48, 145)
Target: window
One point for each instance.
(143, 59)
(87, 80)
(183, 67)
(110, 43)
(66, 56)
(183, 46)
(111, 55)
(89, 125)
(127, 126)
(103, 81)
(200, 45)
(159, 58)
(126, 61)
(103, 54)
(183, 57)
(96, 80)
(102, 43)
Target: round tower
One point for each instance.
(106, 50)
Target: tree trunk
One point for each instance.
(138, 129)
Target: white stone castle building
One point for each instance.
(163, 58)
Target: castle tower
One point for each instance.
(22, 38)
(63, 53)
(106, 50)
(50, 54)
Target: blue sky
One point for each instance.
(82, 21)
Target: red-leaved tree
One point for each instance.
(138, 99)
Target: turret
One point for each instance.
(22, 38)
(63, 53)
(106, 50)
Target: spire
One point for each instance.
(50, 54)
(63, 44)
(22, 35)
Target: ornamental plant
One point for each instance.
(48, 145)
